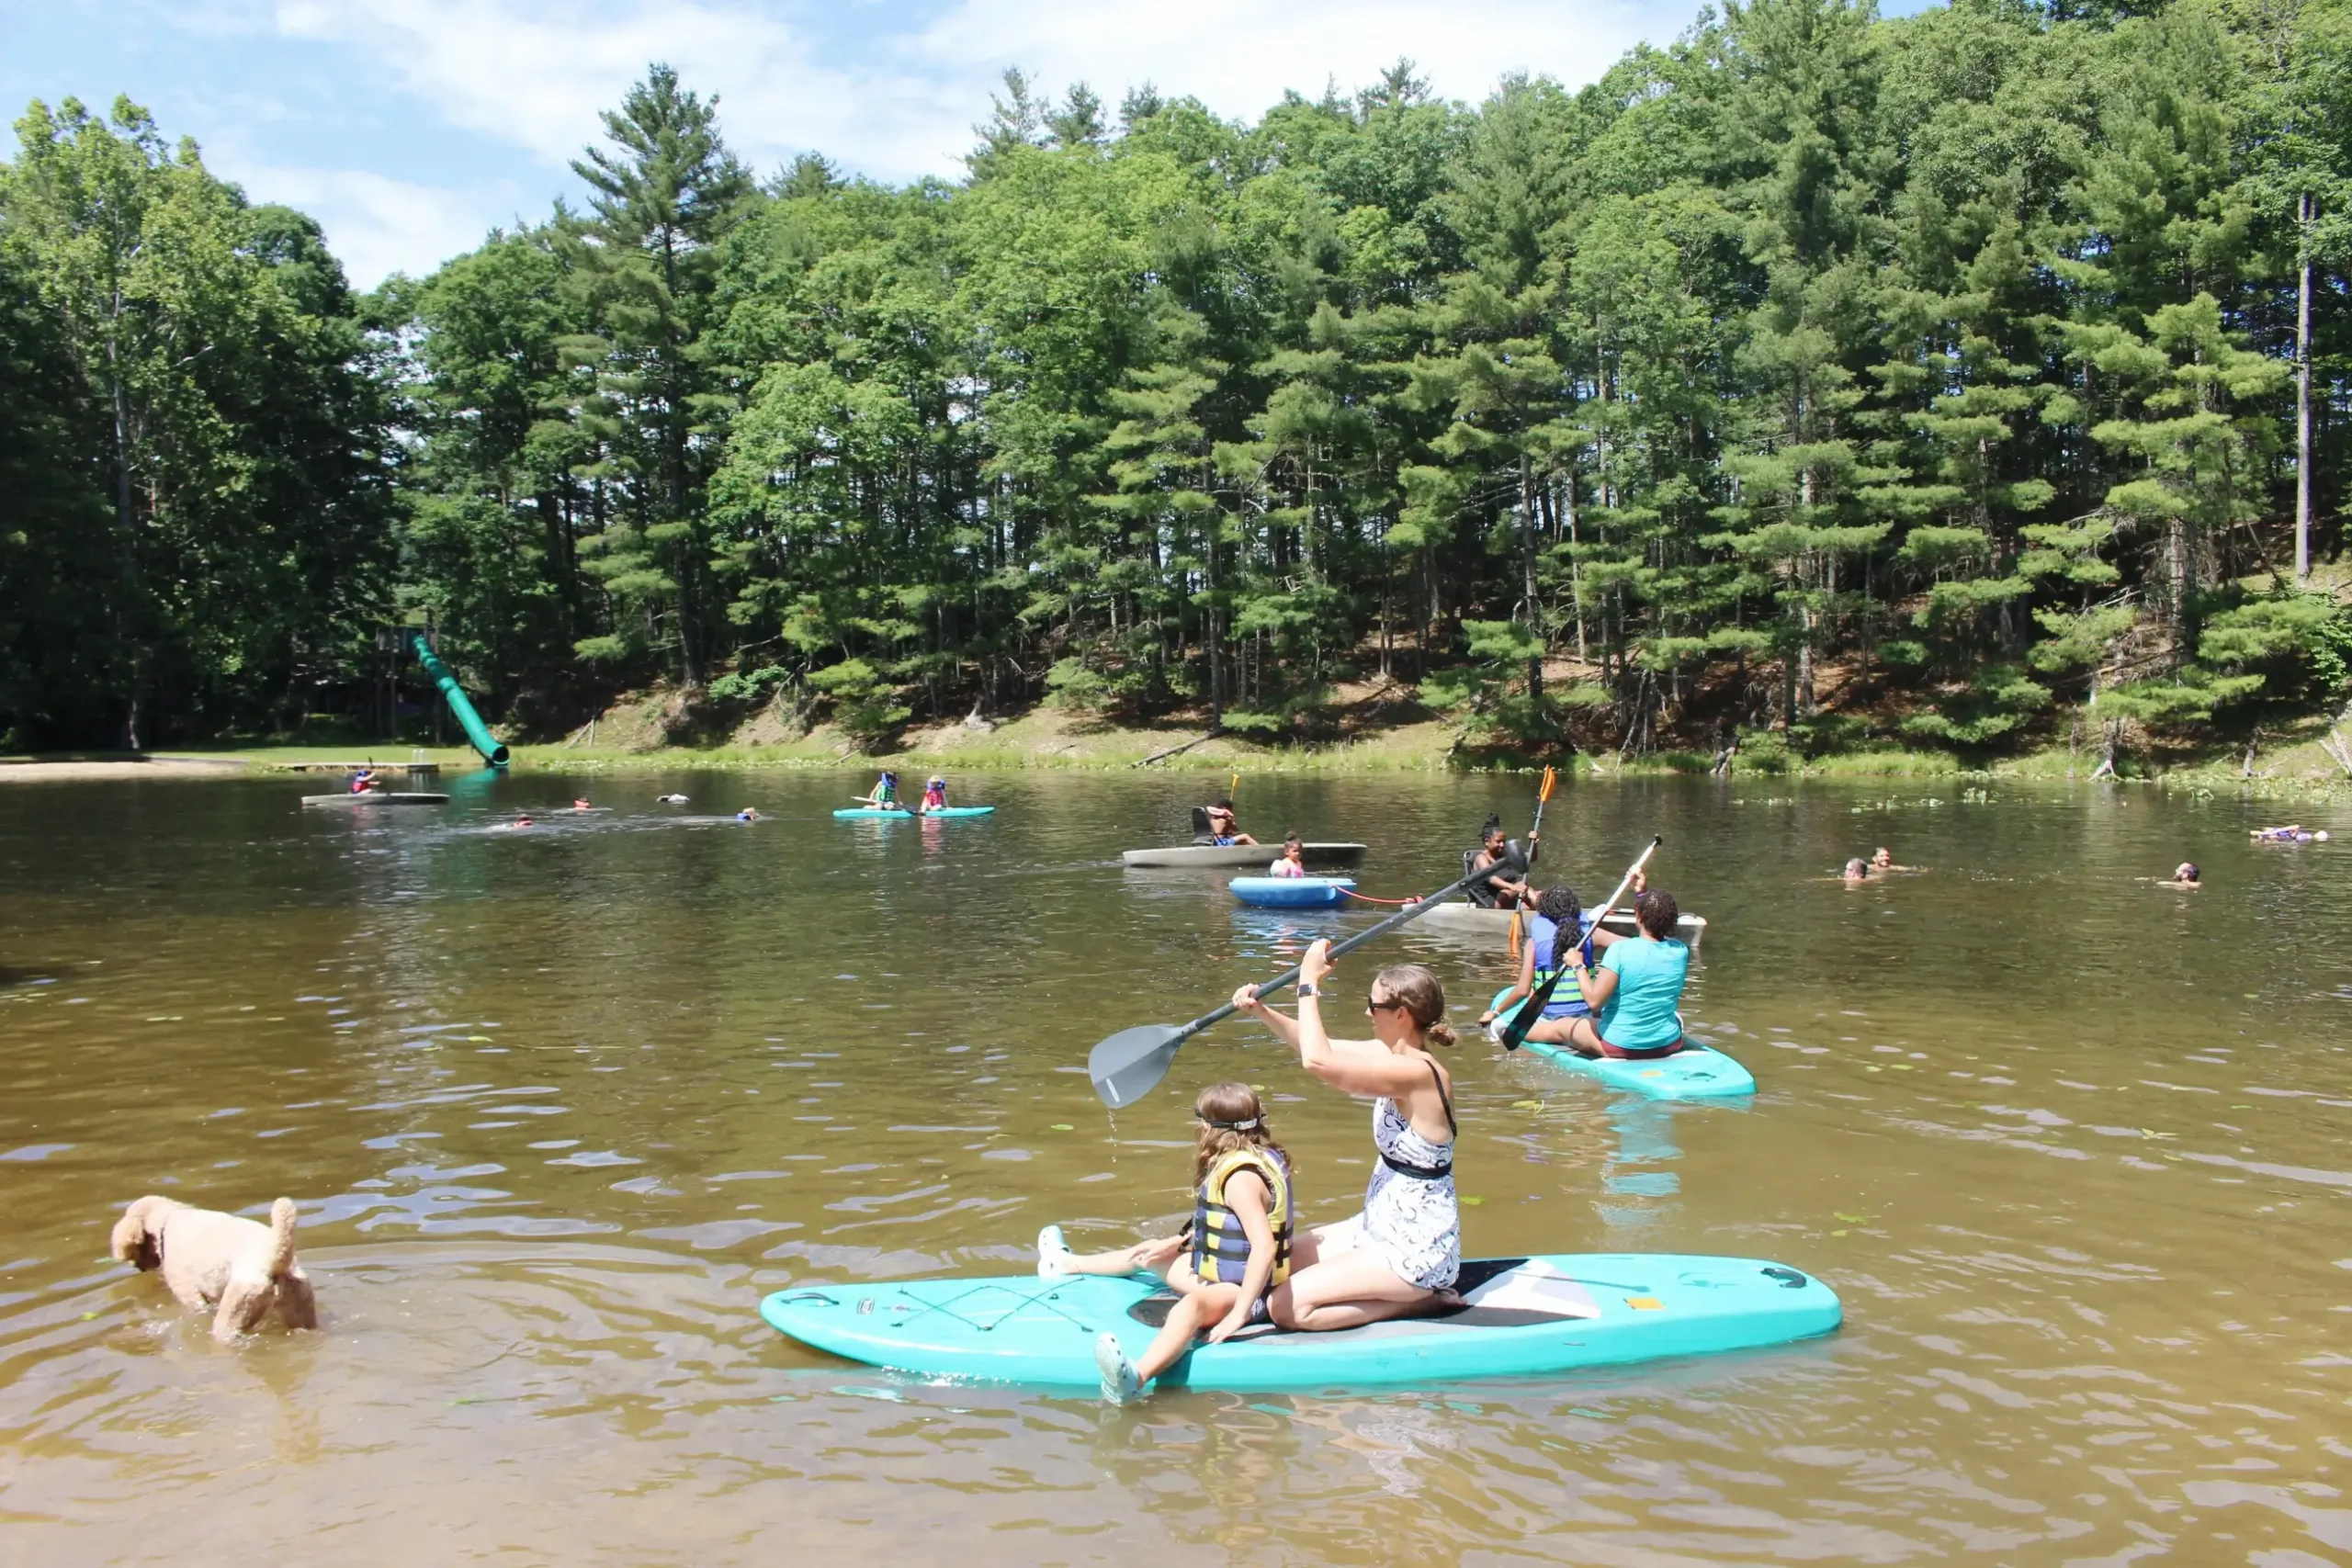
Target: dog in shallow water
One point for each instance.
(208, 1257)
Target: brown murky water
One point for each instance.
(558, 1107)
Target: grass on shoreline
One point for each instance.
(2292, 764)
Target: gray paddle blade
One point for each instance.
(1131, 1063)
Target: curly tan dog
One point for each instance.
(209, 1257)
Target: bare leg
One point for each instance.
(1191, 1314)
(1583, 1037)
(1553, 1030)
(1345, 1291)
(1144, 1257)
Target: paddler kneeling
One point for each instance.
(934, 794)
(1224, 1263)
(1403, 1253)
(1636, 990)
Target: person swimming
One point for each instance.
(510, 827)
(2292, 833)
(669, 800)
(2184, 876)
(1883, 860)
(1293, 860)
(580, 803)
(747, 815)
(1857, 870)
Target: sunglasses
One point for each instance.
(1373, 1004)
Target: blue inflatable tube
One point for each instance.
(1291, 892)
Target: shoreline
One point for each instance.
(1043, 742)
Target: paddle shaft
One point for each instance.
(1534, 849)
(1523, 1018)
(1411, 912)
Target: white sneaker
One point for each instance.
(1053, 1254)
(1119, 1385)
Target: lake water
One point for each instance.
(560, 1106)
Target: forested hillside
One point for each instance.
(1981, 370)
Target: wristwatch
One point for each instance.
(1307, 992)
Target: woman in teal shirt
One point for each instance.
(1636, 991)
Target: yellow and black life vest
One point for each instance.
(1220, 1247)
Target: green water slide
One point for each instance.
(492, 751)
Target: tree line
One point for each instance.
(1936, 375)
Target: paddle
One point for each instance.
(1130, 1064)
(1531, 1011)
(1534, 849)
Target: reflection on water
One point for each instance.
(560, 1104)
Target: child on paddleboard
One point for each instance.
(1222, 1265)
(885, 794)
(935, 794)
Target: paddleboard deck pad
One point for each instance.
(888, 811)
(1697, 1072)
(1516, 1317)
(1291, 892)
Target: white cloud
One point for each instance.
(1240, 56)
(378, 226)
(535, 72)
(883, 96)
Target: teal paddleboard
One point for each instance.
(1696, 1072)
(892, 811)
(1519, 1317)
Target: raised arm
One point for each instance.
(1357, 1067)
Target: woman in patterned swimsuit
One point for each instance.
(1403, 1252)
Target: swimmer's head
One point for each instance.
(2185, 872)
(2319, 837)
(1856, 868)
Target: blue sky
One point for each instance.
(412, 126)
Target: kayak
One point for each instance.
(893, 811)
(1205, 855)
(1519, 1317)
(1696, 1072)
(1291, 892)
(1457, 915)
(375, 798)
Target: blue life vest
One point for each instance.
(1543, 936)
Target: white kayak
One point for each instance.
(1456, 914)
(1205, 856)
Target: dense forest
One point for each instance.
(1819, 375)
